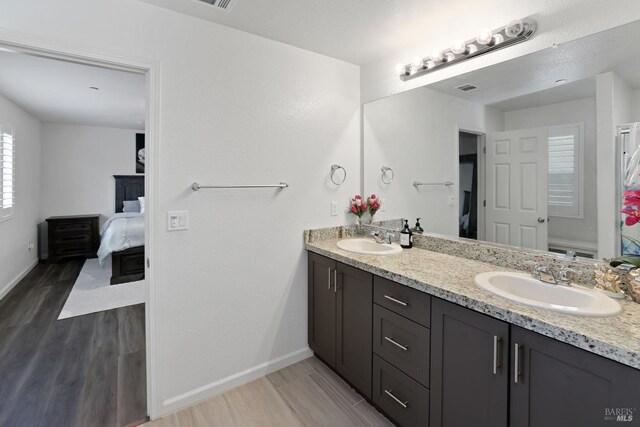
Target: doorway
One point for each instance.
(469, 147)
(91, 396)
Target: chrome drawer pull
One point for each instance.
(516, 364)
(398, 401)
(397, 301)
(496, 363)
(329, 279)
(397, 344)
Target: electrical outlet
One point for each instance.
(334, 208)
(31, 245)
(452, 200)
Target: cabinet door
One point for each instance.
(354, 327)
(322, 308)
(469, 367)
(561, 385)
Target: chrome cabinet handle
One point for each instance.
(335, 280)
(397, 344)
(398, 401)
(516, 364)
(397, 301)
(496, 363)
(329, 279)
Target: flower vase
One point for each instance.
(359, 228)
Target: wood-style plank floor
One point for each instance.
(82, 371)
(305, 394)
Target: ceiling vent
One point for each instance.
(466, 88)
(224, 5)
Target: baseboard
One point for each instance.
(199, 394)
(17, 279)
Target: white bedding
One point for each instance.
(121, 231)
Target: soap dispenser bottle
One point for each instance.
(417, 229)
(406, 236)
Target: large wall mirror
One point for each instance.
(527, 153)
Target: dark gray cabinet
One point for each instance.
(321, 324)
(556, 384)
(70, 236)
(469, 367)
(340, 308)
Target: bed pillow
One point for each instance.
(131, 206)
(142, 204)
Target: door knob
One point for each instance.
(541, 220)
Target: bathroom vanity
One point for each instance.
(417, 337)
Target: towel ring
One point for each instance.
(337, 180)
(384, 170)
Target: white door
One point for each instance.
(516, 188)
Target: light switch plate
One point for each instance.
(334, 208)
(177, 220)
(452, 200)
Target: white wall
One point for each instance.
(235, 108)
(415, 133)
(558, 22)
(577, 111)
(78, 167)
(635, 106)
(613, 109)
(16, 233)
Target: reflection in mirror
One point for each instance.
(521, 141)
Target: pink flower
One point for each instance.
(354, 209)
(358, 197)
(364, 206)
(376, 206)
(358, 202)
(373, 197)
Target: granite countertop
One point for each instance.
(452, 278)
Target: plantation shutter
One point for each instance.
(565, 171)
(7, 171)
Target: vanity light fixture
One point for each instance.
(486, 41)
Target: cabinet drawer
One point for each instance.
(400, 397)
(403, 343)
(73, 249)
(73, 228)
(410, 303)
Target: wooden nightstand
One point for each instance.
(76, 235)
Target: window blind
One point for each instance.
(7, 171)
(565, 171)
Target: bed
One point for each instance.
(122, 235)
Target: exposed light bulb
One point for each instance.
(448, 57)
(484, 37)
(459, 47)
(436, 55)
(430, 64)
(418, 62)
(497, 39)
(401, 69)
(514, 28)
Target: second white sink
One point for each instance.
(369, 247)
(522, 288)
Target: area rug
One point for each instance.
(92, 292)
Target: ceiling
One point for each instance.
(530, 80)
(59, 91)
(362, 31)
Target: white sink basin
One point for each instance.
(368, 247)
(522, 288)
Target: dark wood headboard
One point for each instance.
(128, 187)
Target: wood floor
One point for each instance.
(83, 371)
(305, 394)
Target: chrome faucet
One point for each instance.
(379, 239)
(564, 275)
(541, 272)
